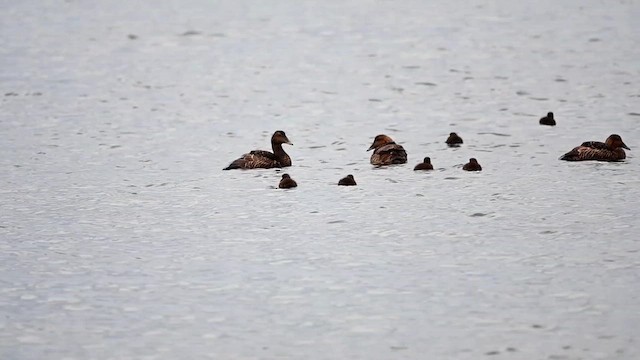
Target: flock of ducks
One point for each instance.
(387, 152)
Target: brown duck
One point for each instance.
(287, 182)
(265, 159)
(386, 151)
(610, 150)
(548, 120)
(454, 140)
(347, 181)
(425, 165)
(472, 165)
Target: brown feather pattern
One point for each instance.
(262, 159)
(610, 150)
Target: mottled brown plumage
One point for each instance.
(265, 159)
(425, 165)
(287, 182)
(548, 120)
(386, 151)
(472, 165)
(454, 140)
(347, 181)
(610, 150)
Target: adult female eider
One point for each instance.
(386, 151)
(454, 140)
(472, 165)
(548, 120)
(610, 150)
(347, 181)
(287, 182)
(425, 165)
(265, 159)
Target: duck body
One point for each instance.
(610, 150)
(548, 120)
(261, 159)
(425, 165)
(347, 181)
(386, 151)
(472, 165)
(454, 140)
(287, 182)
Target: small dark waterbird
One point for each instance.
(347, 181)
(287, 182)
(472, 165)
(454, 140)
(424, 165)
(548, 120)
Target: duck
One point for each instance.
(454, 140)
(609, 150)
(425, 165)
(347, 181)
(472, 165)
(287, 182)
(386, 151)
(548, 120)
(261, 159)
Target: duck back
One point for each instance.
(594, 150)
(389, 154)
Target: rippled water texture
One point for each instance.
(122, 238)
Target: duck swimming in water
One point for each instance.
(347, 181)
(454, 140)
(425, 165)
(287, 182)
(386, 151)
(548, 120)
(265, 159)
(610, 150)
(472, 165)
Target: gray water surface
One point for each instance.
(122, 238)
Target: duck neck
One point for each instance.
(278, 150)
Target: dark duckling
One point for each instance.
(425, 165)
(454, 140)
(386, 151)
(347, 181)
(548, 120)
(472, 165)
(261, 159)
(610, 150)
(287, 182)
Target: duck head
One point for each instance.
(279, 137)
(614, 141)
(379, 141)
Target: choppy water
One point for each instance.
(121, 238)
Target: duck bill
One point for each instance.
(370, 148)
(625, 146)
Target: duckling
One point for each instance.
(347, 181)
(265, 159)
(472, 165)
(287, 182)
(454, 140)
(548, 120)
(386, 151)
(425, 165)
(610, 150)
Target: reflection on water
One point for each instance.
(118, 223)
